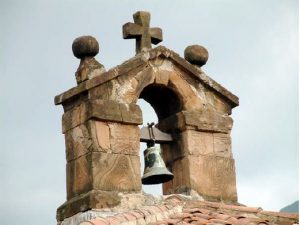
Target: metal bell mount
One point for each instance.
(155, 171)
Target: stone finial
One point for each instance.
(141, 31)
(196, 54)
(86, 48)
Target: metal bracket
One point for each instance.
(152, 135)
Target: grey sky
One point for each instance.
(253, 52)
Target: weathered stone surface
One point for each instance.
(85, 46)
(103, 171)
(208, 120)
(142, 59)
(162, 77)
(71, 94)
(196, 54)
(88, 69)
(181, 180)
(144, 79)
(187, 94)
(116, 172)
(124, 139)
(198, 143)
(114, 111)
(102, 91)
(141, 31)
(213, 177)
(106, 110)
(180, 169)
(171, 151)
(79, 176)
(78, 142)
(103, 135)
(128, 87)
(74, 117)
(216, 102)
(205, 80)
(202, 120)
(93, 199)
(222, 145)
(131, 114)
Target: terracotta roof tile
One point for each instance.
(180, 211)
(281, 214)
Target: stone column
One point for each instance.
(102, 141)
(201, 157)
(102, 151)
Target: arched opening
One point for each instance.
(157, 103)
(164, 101)
(149, 115)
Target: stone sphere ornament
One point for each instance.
(85, 46)
(196, 55)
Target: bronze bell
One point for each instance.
(155, 171)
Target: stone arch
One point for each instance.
(165, 103)
(158, 73)
(170, 92)
(163, 100)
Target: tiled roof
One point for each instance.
(176, 210)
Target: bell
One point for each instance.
(155, 171)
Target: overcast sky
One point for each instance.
(253, 53)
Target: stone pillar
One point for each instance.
(102, 151)
(102, 141)
(201, 157)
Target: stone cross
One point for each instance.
(141, 31)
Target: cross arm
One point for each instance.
(131, 30)
(156, 35)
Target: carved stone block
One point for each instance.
(222, 145)
(180, 183)
(105, 110)
(201, 120)
(103, 171)
(198, 143)
(131, 114)
(74, 117)
(102, 135)
(188, 94)
(91, 200)
(213, 177)
(162, 77)
(124, 139)
(78, 142)
(79, 176)
(116, 172)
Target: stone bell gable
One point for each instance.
(101, 118)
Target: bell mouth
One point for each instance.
(157, 178)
